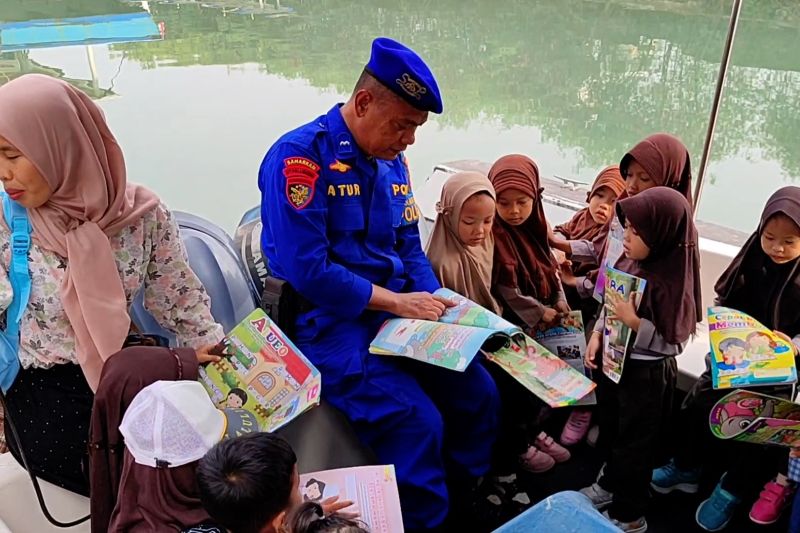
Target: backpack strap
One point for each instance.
(19, 275)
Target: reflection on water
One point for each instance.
(574, 83)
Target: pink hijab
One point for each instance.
(65, 135)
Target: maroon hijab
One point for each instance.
(665, 159)
(672, 297)
(583, 227)
(140, 493)
(523, 258)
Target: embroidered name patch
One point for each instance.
(411, 86)
(301, 178)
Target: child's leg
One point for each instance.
(750, 466)
(515, 416)
(693, 439)
(641, 394)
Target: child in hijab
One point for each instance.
(525, 281)
(660, 246)
(591, 223)
(461, 251)
(525, 276)
(461, 246)
(659, 160)
(763, 280)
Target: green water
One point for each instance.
(573, 83)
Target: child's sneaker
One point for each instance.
(715, 513)
(593, 436)
(599, 496)
(576, 427)
(536, 461)
(549, 446)
(669, 477)
(637, 526)
(771, 503)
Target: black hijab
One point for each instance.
(755, 285)
(672, 298)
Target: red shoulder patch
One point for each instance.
(301, 178)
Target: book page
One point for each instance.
(745, 353)
(614, 250)
(446, 345)
(265, 374)
(468, 313)
(567, 341)
(372, 489)
(545, 375)
(749, 416)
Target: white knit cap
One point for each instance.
(172, 423)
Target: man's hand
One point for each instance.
(421, 305)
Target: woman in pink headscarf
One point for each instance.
(97, 241)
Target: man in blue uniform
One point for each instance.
(340, 226)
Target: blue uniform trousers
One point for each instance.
(430, 423)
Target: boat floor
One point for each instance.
(667, 513)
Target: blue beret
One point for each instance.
(404, 73)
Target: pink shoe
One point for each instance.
(546, 444)
(576, 427)
(536, 461)
(773, 500)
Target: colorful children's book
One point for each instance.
(372, 489)
(265, 374)
(614, 251)
(749, 416)
(617, 335)
(568, 341)
(744, 353)
(548, 377)
(452, 342)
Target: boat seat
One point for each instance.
(19, 510)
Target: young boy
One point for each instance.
(250, 484)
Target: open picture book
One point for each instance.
(372, 489)
(749, 416)
(467, 329)
(745, 353)
(264, 373)
(453, 341)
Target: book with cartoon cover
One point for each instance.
(616, 335)
(552, 380)
(567, 340)
(744, 353)
(372, 489)
(265, 374)
(749, 416)
(453, 341)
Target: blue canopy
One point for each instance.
(48, 33)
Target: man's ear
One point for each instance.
(362, 100)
